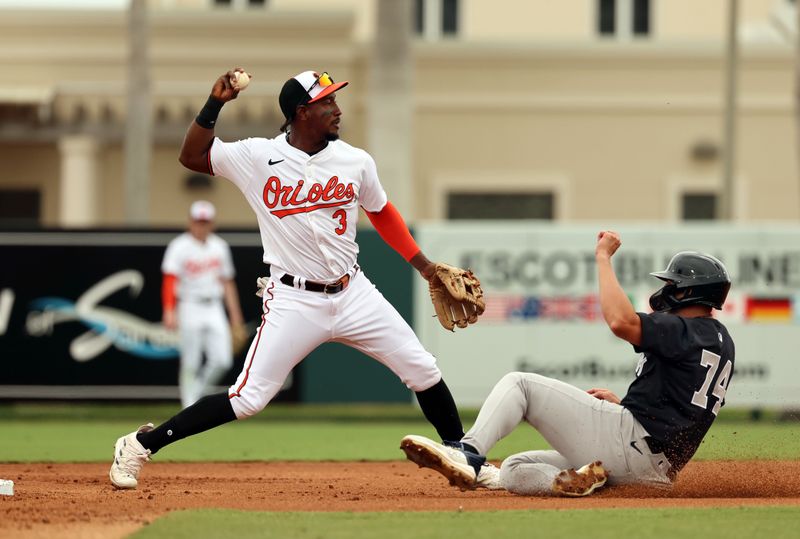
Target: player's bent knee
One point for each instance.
(525, 380)
(251, 396)
(248, 403)
(425, 380)
(245, 407)
(513, 377)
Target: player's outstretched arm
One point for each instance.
(425, 267)
(200, 135)
(617, 310)
(393, 230)
(456, 293)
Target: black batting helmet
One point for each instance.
(702, 278)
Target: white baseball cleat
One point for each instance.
(459, 467)
(580, 482)
(489, 477)
(129, 457)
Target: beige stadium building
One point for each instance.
(574, 110)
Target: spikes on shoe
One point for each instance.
(461, 468)
(580, 482)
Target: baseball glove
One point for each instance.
(457, 296)
(240, 338)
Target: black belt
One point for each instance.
(313, 286)
(201, 300)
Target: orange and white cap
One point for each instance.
(307, 87)
(202, 210)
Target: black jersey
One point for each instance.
(681, 380)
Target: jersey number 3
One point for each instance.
(341, 215)
(700, 397)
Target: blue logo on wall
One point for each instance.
(107, 326)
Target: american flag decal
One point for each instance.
(503, 308)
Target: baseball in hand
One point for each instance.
(240, 80)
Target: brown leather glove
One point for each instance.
(457, 296)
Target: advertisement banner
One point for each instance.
(543, 314)
(80, 314)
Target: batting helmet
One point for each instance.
(692, 279)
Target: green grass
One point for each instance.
(731, 523)
(104, 411)
(86, 433)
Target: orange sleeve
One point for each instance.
(394, 231)
(168, 291)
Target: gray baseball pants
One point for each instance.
(579, 427)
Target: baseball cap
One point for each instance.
(307, 87)
(202, 210)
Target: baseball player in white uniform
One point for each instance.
(198, 274)
(306, 187)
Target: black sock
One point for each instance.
(440, 410)
(461, 446)
(470, 448)
(207, 413)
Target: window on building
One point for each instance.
(624, 18)
(436, 18)
(465, 205)
(641, 17)
(20, 208)
(606, 17)
(239, 3)
(699, 206)
(19, 114)
(449, 17)
(419, 17)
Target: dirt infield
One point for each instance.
(77, 500)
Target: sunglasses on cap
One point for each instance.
(323, 80)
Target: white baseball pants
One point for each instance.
(296, 321)
(579, 427)
(203, 329)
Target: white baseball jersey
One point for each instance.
(201, 267)
(307, 206)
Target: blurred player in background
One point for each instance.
(645, 438)
(198, 275)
